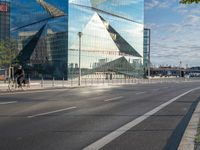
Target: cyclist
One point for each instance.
(19, 74)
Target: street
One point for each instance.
(121, 117)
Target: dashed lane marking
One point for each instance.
(113, 99)
(52, 112)
(140, 93)
(4, 103)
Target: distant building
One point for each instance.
(4, 20)
(146, 55)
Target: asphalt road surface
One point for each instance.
(131, 117)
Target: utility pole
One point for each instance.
(79, 78)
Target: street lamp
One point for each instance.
(149, 54)
(79, 78)
(180, 69)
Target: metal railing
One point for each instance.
(41, 84)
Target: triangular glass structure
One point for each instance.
(120, 65)
(25, 54)
(95, 37)
(120, 42)
(99, 35)
(52, 10)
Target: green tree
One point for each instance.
(8, 51)
(189, 1)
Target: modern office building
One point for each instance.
(146, 55)
(111, 41)
(112, 37)
(4, 19)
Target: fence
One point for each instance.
(42, 84)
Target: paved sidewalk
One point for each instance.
(189, 137)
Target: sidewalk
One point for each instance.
(191, 137)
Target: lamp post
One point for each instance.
(180, 69)
(149, 54)
(79, 77)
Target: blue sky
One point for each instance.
(175, 32)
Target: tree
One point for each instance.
(189, 1)
(8, 51)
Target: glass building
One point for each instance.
(111, 41)
(40, 27)
(111, 45)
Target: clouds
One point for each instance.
(157, 4)
(177, 37)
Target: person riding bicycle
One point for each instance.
(19, 74)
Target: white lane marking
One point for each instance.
(4, 103)
(140, 93)
(113, 135)
(92, 92)
(113, 99)
(51, 112)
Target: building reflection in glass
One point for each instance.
(112, 40)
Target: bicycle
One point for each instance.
(13, 85)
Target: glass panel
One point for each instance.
(112, 37)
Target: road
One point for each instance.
(135, 117)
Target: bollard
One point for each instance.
(53, 83)
(29, 82)
(42, 83)
(71, 82)
(63, 84)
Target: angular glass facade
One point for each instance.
(111, 41)
(40, 29)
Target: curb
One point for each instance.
(188, 139)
